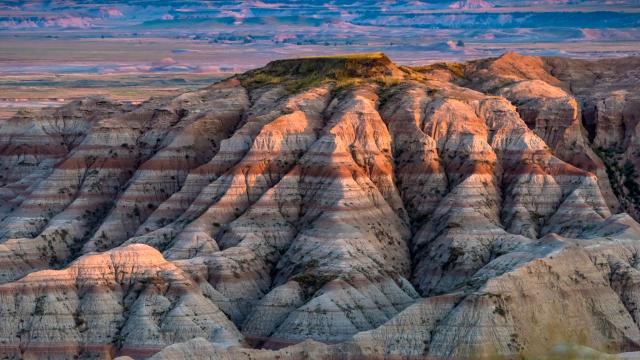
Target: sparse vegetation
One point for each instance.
(456, 69)
(622, 176)
(311, 282)
(343, 71)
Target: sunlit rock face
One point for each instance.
(329, 207)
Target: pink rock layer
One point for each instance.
(329, 207)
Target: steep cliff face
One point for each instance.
(343, 204)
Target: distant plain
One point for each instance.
(53, 52)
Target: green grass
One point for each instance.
(353, 56)
(343, 71)
(385, 94)
(457, 69)
(261, 79)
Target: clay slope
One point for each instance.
(343, 204)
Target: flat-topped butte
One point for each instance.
(302, 73)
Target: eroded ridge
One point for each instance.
(327, 207)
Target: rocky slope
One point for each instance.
(330, 208)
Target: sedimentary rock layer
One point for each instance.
(329, 207)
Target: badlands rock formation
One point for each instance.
(339, 207)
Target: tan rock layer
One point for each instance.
(281, 213)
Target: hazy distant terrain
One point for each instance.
(217, 38)
(34, 91)
(233, 36)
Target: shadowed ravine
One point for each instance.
(468, 210)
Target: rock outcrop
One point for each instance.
(128, 298)
(329, 208)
